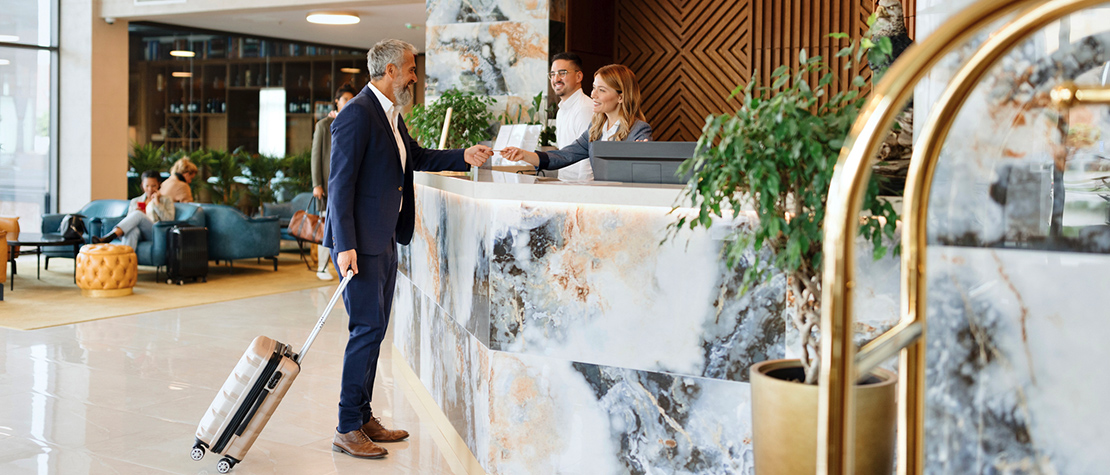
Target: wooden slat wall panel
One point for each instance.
(690, 54)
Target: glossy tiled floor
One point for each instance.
(124, 395)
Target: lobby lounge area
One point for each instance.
(865, 236)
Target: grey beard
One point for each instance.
(403, 96)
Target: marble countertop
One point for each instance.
(495, 185)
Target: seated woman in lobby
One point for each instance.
(144, 210)
(177, 185)
(617, 116)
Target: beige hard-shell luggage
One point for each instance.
(251, 393)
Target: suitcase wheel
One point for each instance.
(225, 465)
(198, 452)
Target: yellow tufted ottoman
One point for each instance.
(106, 270)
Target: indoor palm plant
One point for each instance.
(775, 156)
(260, 171)
(470, 120)
(144, 157)
(223, 168)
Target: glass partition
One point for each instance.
(28, 105)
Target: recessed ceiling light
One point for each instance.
(350, 70)
(4, 62)
(332, 18)
(182, 74)
(182, 53)
(9, 38)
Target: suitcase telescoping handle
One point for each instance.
(324, 317)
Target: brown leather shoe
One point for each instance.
(374, 430)
(357, 444)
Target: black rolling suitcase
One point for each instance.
(187, 254)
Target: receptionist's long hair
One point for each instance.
(622, 80)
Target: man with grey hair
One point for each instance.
(370, 211)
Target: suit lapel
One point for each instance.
(377, 105)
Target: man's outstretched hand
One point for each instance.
(477, 155)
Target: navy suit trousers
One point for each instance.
(368, 299)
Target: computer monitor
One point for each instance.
(640, 162)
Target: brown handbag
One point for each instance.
(306, 225)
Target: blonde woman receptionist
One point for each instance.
(617, 116)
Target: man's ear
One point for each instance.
(580, 76)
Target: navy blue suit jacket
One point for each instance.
(366, 182)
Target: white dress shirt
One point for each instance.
(391, 113)
(608, 134)
(573, 120)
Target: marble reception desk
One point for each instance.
(559, 336)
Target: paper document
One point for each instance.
(523, 136)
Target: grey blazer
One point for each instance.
(582, 148)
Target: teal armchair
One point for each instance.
(284, 212)
(232, 235)
(95, 212)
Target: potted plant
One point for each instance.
(532, 115)
(224, 167)
(296, 175)
(260, 171)
(470, 120)
(775, 156)
(143, 157)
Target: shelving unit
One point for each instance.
(216, 105)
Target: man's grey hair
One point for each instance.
(384, 53)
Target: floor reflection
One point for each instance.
(124, 395)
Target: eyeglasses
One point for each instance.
(560, 73)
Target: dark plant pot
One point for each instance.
(784, 420)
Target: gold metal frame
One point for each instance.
(840, 366)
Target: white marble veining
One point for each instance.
(1012, 330)
(1014, 342)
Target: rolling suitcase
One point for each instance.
(251, 393)
(187, 254)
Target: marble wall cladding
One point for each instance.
(1013, 165)
(555, 416)
(495, 48)
(1014, 343)
(449, 256)
(593, 284)
(506, 58)
(443, 12)
(450, 362)
(405, 321)
(1004, 392)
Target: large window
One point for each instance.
(28, 106)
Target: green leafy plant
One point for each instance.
(775, 156)
(547, 135)
(470, 120)
(260, 172)
(144, 157)
(224, 167)
(533, 114)
(523, 114)
(296, 174)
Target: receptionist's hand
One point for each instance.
(518, 155)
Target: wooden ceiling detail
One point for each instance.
(690, 54)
